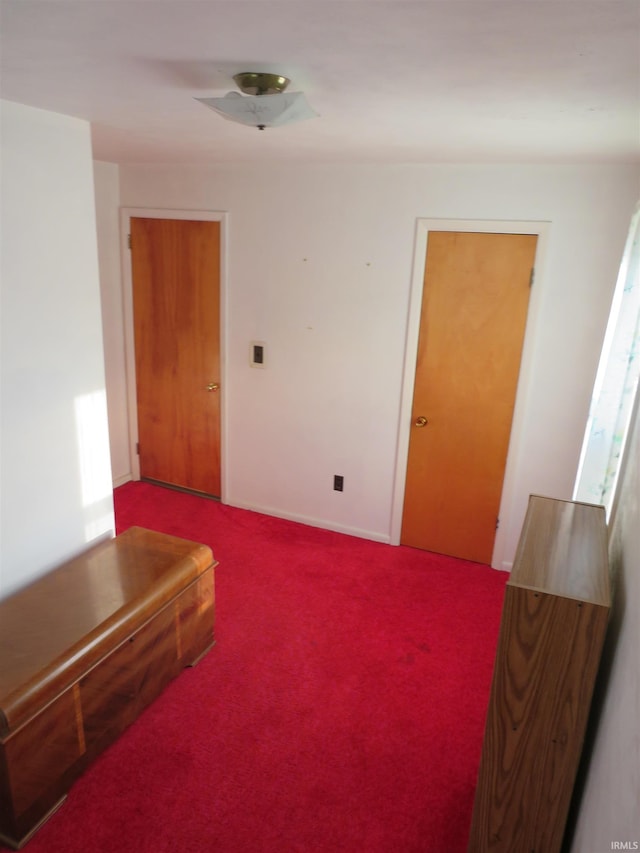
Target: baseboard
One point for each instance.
(120, 481)
(313, 522)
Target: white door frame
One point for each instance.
(423, 227)
(126, 215)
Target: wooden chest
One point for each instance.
(83, 650)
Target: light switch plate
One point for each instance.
(257, 354)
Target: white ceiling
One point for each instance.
(393, 81)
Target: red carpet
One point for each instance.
(342, 708)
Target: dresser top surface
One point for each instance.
(563, 550)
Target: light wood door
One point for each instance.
(474, 310)
(176, 307)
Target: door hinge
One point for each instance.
(137, 448)
(533, 273)
(497, 523)
(128, 241)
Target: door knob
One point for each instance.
(212, 386)
(421, 422)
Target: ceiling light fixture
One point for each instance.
(264, 104)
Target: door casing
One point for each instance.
(507, 508)
(126, 214)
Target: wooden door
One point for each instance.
(474, 310)
(176, 307)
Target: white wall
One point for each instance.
(55, 487)
(107, 193)
(319, 267)
(611, 792)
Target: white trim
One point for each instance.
(120, 481)
(126, 214)
(423, 226)
(321, 523)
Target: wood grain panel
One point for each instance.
(195, 620)
(547, 658)
(116, 690)
(15, 832)
(474, 310)
(176, 304)
(50, 740)
(539, 697)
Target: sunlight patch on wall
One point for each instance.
(95, 463)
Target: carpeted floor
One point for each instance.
(341, 709)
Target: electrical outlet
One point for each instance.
(338, 482)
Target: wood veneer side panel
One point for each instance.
(116, 691)
(195, 616)
(26, 826)
(7, 823)
(37, 754)
(110, 691)
(548, 654)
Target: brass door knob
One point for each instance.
(212, 386)
(421, 422)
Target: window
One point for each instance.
(616, 384)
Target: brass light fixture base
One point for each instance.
(256, 83)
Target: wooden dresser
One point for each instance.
(554, 621)
(83, 650)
